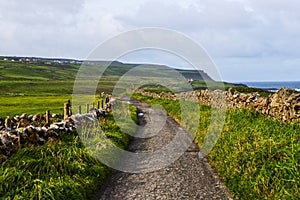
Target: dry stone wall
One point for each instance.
(25, 130)
(283, 105)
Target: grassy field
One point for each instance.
(32, 87)
(258, 157)
(35, 88)
(12, 105)
(62, 169)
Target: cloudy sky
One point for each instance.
(249, 40)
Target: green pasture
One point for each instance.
(11, 105)
(35, 97)
(26, 71)
(35, 88)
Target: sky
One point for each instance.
(248, 40)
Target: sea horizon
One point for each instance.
(273, 86)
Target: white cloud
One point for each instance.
(190, 17)
(238, 32)
(56, 29)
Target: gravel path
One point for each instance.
(189, 177)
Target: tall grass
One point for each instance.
(258, 157)
(62, 169)
(59, 170)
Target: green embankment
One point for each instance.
(62, 169)
(258, 157)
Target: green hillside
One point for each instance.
(56, 77)
(37, 84)
(28, 71)
(51, 70)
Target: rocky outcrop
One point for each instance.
(283, 105)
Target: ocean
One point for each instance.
(274, 86)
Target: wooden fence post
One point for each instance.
(102, 103)
(66, 111)
(70, 109)
(47, 116)
(98, 105)
(93, 105)
(87, 108)
(79, 109)
(106, 100)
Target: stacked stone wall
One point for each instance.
(283, 105)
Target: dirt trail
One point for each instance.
(189, 177)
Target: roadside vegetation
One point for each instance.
(60, 169)
(257, 157)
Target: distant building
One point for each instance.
(190, 80)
